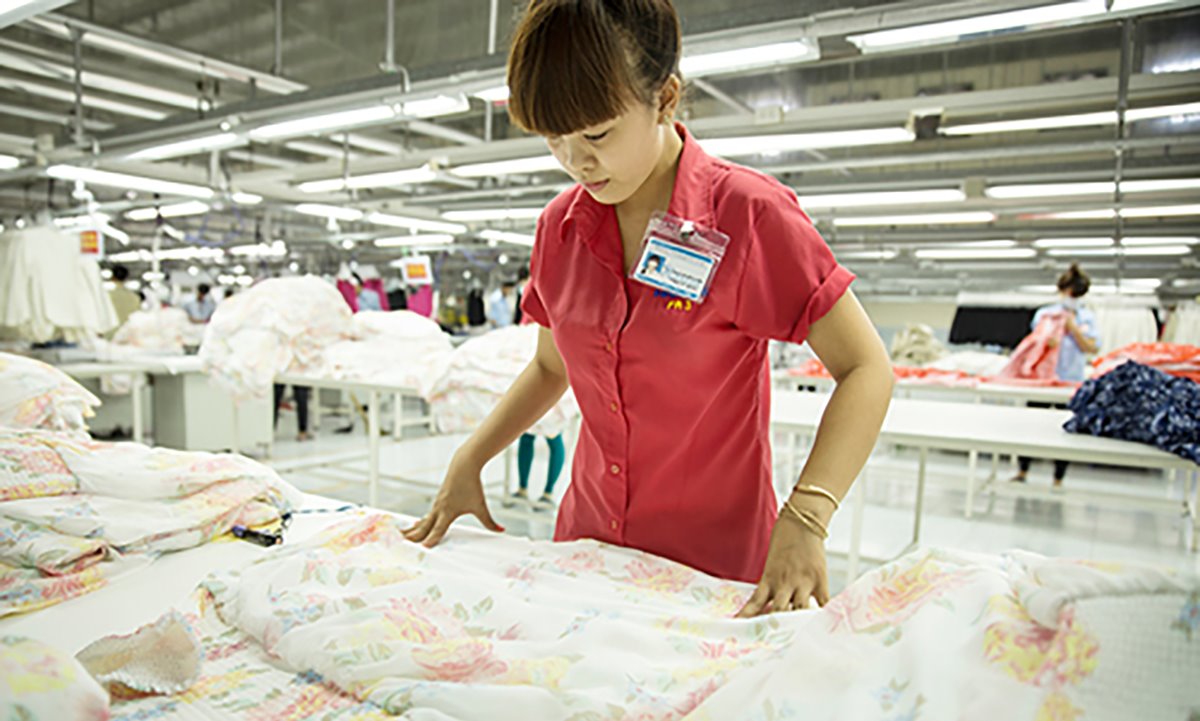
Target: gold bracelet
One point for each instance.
(818, 491)
(810, 521)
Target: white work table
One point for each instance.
(91, 370)
(373, 393)
(983, 391)
(1032, 432)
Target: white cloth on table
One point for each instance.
(976, 363)
(1184, 325)
(480, 372)
(916, 345)
(489, 626)
(48, 290)
(1121, 325)
(397, 348)
(34, 394)
(281, 325)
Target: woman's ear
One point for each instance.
(668, 99)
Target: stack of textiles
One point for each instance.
(75, 512)
(1174, 358)
(34, 394)
(480, 372)
(398, 348)
(282, 325)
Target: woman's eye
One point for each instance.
(594, 138)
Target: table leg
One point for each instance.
(1195, 510)
(314, 408)
(373, 448)
(972, 466)
(398, 417)
(139, 383)
(856, 528)
(922, 463)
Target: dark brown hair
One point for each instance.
(577, 63)
(1074, 281)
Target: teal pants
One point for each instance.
(558, 456)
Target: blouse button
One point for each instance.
(615, 469)
(608, 347)
(614, 407)
(613, 525)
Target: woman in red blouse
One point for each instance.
(674, 453)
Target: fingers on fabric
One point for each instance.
(756, 604)
(485, 517)
(439, 530)
(420, 529)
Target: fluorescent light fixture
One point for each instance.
(404, 241)
(976, 254)
(91, 101)
(70, 221)
(127, 182)
(246, 198)
(784, 142)
(436, 106)
(192, 63)
(1080, 120)
(901, 197)
(1073, 242)
(761, 56)
(329, 211)
(1049, 190)
(9, 162)
(186, 253)
(471, 216)
(965, 218)
(1007, 243)
(1160, 211)
(178, 210)
(1108, 213)
(1160, 240)
(498, 94)
(984, 25)
(275, 249)
(324, 123)
(321, 150)
(1138, 251)
(411, 176)
(1162, 111)
(419, 225)
(502, 236)
(208, 143)
(538, 164)
(865, 254)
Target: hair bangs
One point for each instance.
(567, 70)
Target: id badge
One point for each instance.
(679, 257)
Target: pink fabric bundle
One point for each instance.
(1035, 361)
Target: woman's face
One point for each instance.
(613, 160)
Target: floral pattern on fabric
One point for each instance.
(1138, 403)
(34, 394)
(41, 683)
(78, 512)
(359, 623)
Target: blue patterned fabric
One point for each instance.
(1138, 403)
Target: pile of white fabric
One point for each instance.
(916, 345)
(398, 348)
(34, 394)
(479, 373)
(48, 290)
(158, 332)
(972, 362)
(282, 325)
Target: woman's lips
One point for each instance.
(596, 187)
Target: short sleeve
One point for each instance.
(532, 307)
(789, 278)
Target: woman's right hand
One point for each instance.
(461, 493)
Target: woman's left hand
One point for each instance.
(794, 572)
